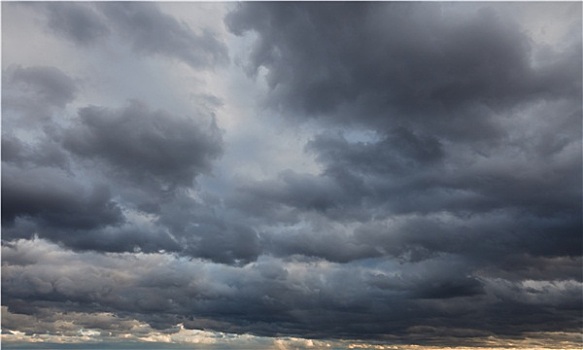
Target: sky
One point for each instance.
(235, 175)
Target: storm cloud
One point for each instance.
(416, 99)
(145, 145)
(348, 299)
(399, 63)
(374, 173)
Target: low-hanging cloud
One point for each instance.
(270, 297)
(444, 102)
(437, 200)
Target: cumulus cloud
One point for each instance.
(271, 296)
(465, 156)
(91, 183)
(77, 22)
(51, 198)
(32, 95)
(390, 64)
(442, 204)
(460, 117)
(145, 145)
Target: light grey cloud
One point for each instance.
(143, 26)
(152, 32)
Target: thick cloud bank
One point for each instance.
(437, 199)
(464, 142)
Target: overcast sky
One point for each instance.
(291, 175)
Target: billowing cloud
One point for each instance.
(132, 169)
(394, 174)
(271, 297)
(31, 95)
(442, 103)
(401, 63)
(145, 145)
(50, 197)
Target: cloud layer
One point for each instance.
(441, 206)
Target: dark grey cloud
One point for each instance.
(270, 296)
(34, 92)
(204, 229)
(44, 152)
(473, 153)
(94, 184)
(415, 207)
(77, 22)
(47, 203)
(50, 203)
(118, 180)
(73, 181)
(54, 200)
(447, 99)
(145, 145)
(390, 64)
(446, 209)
